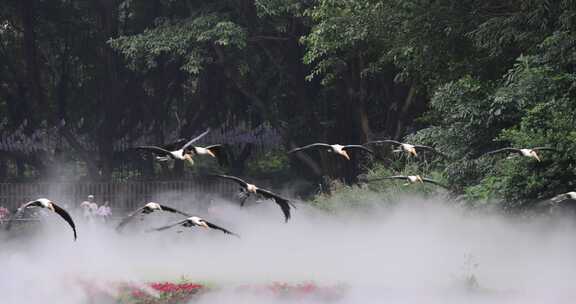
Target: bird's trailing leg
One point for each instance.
(243, 195)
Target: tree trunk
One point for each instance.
(35, 93)
(404, 111)
(109, 86)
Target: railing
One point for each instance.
(120, 195)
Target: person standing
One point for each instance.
(89, 208)
(104, 212)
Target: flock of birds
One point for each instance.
(186, 151)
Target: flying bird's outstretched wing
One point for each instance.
(282, 202)
(357, 147)
(564, 197)
(156, 150)
(195, 139)
(129, 218)
(221, 154)
(315, 145)
(431, 181)
(428, 148)
(387, 177)
(171, 225)
(212, 226)
(170, 209)
(238, 180)
(174, 146)
(66, 216)
(16, 213)
(502, 150)
(545, 149)
(385, 141)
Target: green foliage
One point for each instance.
(489, 74)
(412, 39)
(344, 198)
(269, 162)
(378, 193)
(188, 41)
(533, 106)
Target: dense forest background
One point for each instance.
(83, 82)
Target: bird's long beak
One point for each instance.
(211, 153)
(420, 179)
(413, 152)
(189, 159)
(537, 157)
(205, 225)
(345, 154)
(51, 207)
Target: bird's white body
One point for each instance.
(529, 153)
(45, 202)
(408, 148)
(153, 206)
(203, 151)
(415, 178)
(251, 188)
(571, 194)
(339, 149)
(178, 154)
(198, 221)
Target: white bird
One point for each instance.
(195, 221)
(248, 189)
(531, 153)
(171, 151)
(405, 147)
(216, 151)
(48, 204)
(147, 209)
(338, 149)
(411, 179)
(565, 197)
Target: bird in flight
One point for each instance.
(195, 221)
(176, 151)
(247, 189)
(338, 149)
(568, 197)
(406, 148)
(411, 179)
(531, 153)
(147, 209)
(48, 204)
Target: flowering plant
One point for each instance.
(296, 291)
(160, 292)
(147, 293)
(4, 214)
(185, 292)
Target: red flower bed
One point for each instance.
(184, 292)
(148, 293)
(159, 293)
(296, 291)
